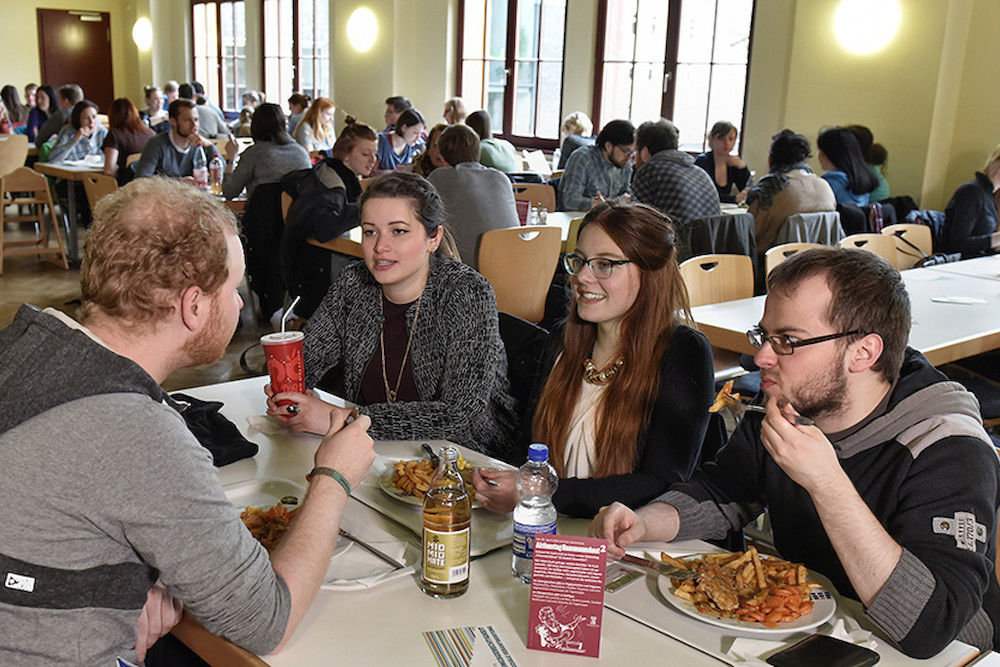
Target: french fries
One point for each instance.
(746, 587)
(267, 526)
(414, 477)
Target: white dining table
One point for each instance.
(383, 624)
(987, 267)
(942, 330)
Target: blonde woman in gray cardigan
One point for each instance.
(412, 333)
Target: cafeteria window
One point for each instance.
(296, 48)
(510, 63)
(219, 32)
(686, 60)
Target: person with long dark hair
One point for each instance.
(846, 170)
(876, 156)
(726, 170)
(272, 155)
(624, 409)
(16, 112)
(400, 145)
(126, 136)
(45, 106)
(82, 136)
(412, 334)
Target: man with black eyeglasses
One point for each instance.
(892, 493)
(598, 172)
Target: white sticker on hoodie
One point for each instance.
(964, 527)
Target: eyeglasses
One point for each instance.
(601, 267)
(628, 152)
(784, 344)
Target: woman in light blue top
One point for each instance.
(398, 146)
(846, 171)
(876, 156)
(81, 137)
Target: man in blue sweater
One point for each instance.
(892, 494)
(173, 153)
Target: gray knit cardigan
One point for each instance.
(459, 362)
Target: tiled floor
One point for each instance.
(30, 280)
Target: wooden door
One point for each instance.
(75, 47)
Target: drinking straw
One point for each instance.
(289, 311)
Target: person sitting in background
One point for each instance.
(431, 158)
(201, 99)
(394, 106)
(726, 171)
(297, 105)
(497, 153)
(210, 125)
(155, 115)
(251, 99)
(324, 206)
(667, 178)
(875, 156)
(83, 136)
(173, 153)
(846, 170)
(476, 198)
(17, 113)
(315, 131)
(454, 111)
(171, 91)
(398, 147)
(970, 218)
(576, 131)
(45, 106)
(246, 117)
(68, 96)
(29, 95)
(625, 407)
(603, 170)
(789, 188)
(127, 135)
(272, 155)
(413, 333)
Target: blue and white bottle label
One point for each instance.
(524, 537)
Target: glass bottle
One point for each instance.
(446, 535)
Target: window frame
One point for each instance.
(669, 89)
(220, 60)
(510, 60)
(296, 54)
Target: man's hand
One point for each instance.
(619, 525)
(348, 448)
(159, 615)
(803, 452)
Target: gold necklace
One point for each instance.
(390, 394)
(602, 376)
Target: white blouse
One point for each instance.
(580, 456)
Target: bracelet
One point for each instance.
(330, 472)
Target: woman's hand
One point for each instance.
(305, 412)
(735, 161)
(232, 149)
(496, 490)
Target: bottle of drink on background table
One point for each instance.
(535, 513)
(216, 168)
(200, 171)
(447, 537)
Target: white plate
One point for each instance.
(385, 483)
(266, 493)
(824, 605)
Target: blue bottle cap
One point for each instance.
(538, 452)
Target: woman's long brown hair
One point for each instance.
(646, 237)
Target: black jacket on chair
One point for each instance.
(262, 230)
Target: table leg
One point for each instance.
(73, 241)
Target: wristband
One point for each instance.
(330, 472)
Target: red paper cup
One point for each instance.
(284, 362)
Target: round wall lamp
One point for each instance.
(142, 34)
(866, 26)
(362, 29)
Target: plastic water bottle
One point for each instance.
(216, 168)
(535, 513)
(200, 170)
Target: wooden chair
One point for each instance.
(569, 245)
(879, 244)
(213, 649)
(32, 190)
(98, 185)
(779, 253)
(539, 194)
(520, 263)
(134, 157)
(13, 152)
(917, 235)
(717, 278)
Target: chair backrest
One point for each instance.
(717, 278)
(520, 263)
(539, 194)
(569, 245)
(23, 179)
(917, 235)
(13, 152)
(134, 157)
(879, 244)
(779, 253)
(98, 185)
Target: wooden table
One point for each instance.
(74, 173)
(944, 332)
(383, 624)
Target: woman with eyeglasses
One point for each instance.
(625, 406)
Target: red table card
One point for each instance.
(567, 594)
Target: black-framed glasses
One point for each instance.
(784, 344)
(629, 152)
(601, 267)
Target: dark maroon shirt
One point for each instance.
(396, 335)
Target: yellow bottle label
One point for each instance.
(446, 556)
